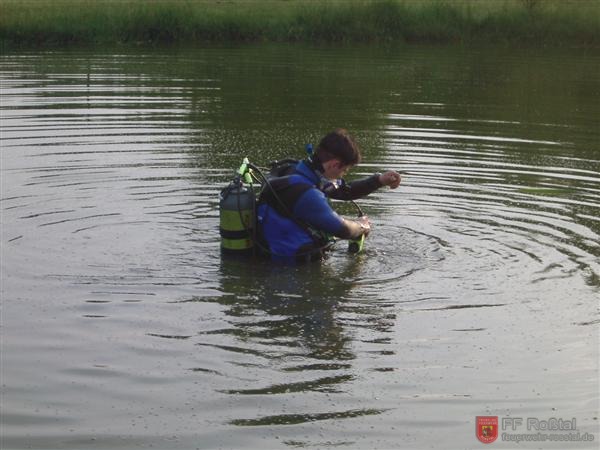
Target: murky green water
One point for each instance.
(477, 294)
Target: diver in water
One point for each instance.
(294, 217)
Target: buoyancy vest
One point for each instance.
(294, 217)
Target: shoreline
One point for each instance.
(60, 23)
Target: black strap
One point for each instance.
(285, 195)
(281, 195)
(229, 234)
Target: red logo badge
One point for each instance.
(486, 429)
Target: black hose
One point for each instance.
(358, 208)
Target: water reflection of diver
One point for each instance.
(301, 311)
(294, 218)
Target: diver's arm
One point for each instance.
(353, 230)
(312, 207)
(356, 189)
(361, 188)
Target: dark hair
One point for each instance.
(338, 144)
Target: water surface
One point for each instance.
(477, 293)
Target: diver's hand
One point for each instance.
(390, 178)
(365, 224)
(353, 229)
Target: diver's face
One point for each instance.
(335, 169)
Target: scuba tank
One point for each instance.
(237, 213)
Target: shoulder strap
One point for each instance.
(282, 167)
(282, 195)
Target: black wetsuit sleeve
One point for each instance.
(356, 189)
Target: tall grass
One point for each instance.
(60, 22)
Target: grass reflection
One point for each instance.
(291, 419)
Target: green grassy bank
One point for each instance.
(537, 22)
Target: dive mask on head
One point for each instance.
(328, 186)
(325, 185)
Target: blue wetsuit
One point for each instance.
(298, 222)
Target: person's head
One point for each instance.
(337, 152)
